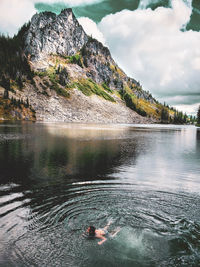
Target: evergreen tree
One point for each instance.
(179, 118)
(198, 116)
(185, 118)
(19, 103)
(6, 94)
(27, 103)
(164, 115)
(6, 105)
(5, 83)
(19, 82)
(14, 102)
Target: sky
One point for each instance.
(156, 42)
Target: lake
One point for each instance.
(57, 179)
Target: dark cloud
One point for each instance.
(194, 23)
(56, 7)
(184, 100)
(99, 10)
(94, 11)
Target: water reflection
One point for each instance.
(198, 133)
(52, 153)
(56, 179)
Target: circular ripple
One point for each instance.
(154, 229)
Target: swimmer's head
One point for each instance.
(91, 231)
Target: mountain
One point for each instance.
(52, 71)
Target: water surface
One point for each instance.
(56, 179)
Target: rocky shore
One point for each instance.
(81, 108)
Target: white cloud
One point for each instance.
(91, 29)
(68, 2)
(150, 46)
(189, 109)
(14, 13)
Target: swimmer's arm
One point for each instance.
(102, 241)
(84, 234)
(109, 223)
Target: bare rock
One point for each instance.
(52, 34)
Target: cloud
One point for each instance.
(146, 3)
(68, 2)
(151, 47)
(189, 109)
(14, 13)
(91, 29)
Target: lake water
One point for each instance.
(57, 179)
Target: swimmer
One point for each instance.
(101, 233)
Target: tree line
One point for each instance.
(198, 117)
(13, 62)
(178, 117)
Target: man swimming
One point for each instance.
(101, 233)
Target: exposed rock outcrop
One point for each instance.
(102, 68)
(52, 34)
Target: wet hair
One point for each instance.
(91, 231)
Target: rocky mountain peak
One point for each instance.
(49, 33)
(59, 73)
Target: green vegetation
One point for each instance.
(192, 119)
(105, 87)
(59, 90)
(198, 117)
(13, 63)
(151, 109)
(179, 118)
(86, 86)
(41, 74)
(130, 100)
(171, 115)
(51, 73)
(164, 114)
(89, 87)
(75, 59)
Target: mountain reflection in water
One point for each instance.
(56, 179)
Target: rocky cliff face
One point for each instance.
(103, 69)
(62, 35)
(52, 34)
(73, 77)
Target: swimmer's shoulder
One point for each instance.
(100, 232)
